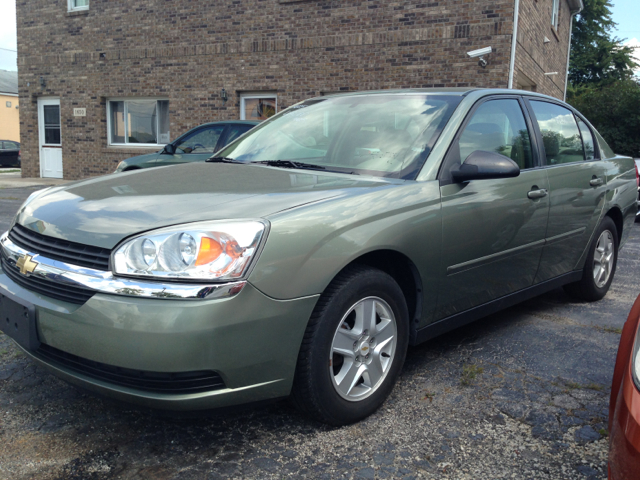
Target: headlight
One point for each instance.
(220, 250)
(120, 166)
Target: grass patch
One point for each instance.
(9, 198)
(428, 396)
(607, 329)
(469, 373)
(594, 386)
(572, 386)
(10, 171)
(604, 432)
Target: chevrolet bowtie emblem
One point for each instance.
(26, 265)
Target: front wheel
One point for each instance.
(354, 347)
(600, 265)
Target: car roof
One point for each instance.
(459, 91)
(233, 122)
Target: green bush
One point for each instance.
(615, 112)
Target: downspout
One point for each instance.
(573, 14)
(514, 41)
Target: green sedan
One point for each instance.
(308, 255)
(196, 145)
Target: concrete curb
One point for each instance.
(14, 180)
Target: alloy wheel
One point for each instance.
(603, 258)
(363, 349)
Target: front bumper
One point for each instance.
(624, 446)
(250, 340)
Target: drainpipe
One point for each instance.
(573, 14)
(514, 41)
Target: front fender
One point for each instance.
(309, 245)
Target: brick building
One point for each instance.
(89, 72)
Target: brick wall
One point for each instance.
(188, 51)
(534, 56)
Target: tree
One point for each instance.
(615, 112)
(597, 58)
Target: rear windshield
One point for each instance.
(381, 135)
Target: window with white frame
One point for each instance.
(555, 12)
(258, 106)
(75, 5)
(138, 122)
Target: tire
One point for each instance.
(321, 386)
(604, 243)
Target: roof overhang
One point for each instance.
(575, 5)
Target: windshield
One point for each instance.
(382, 135)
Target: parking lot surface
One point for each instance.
(520, 394)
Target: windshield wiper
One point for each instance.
(291, 164)
(223, 160)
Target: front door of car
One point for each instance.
(194, 146)
(492, 230)
(577, 183)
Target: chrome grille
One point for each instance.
(61, 250)
(45, 286)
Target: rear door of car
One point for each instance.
(577, 184)
(195, 146)
(492, 230)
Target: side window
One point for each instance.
(10, 146)
(587, 140)
(498, 126)
(201, 141)
(560, 134)
(236, 130)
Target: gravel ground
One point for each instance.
(520, 394)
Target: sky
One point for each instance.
(625, 13)
(8, 38)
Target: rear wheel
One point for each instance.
(600, 265)
(353, 348)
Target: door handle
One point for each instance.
(535, 194)
(595, 182)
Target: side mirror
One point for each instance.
(481, 165)
(169, 149)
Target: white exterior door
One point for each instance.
(50, 137)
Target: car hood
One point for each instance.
(104, 210)
(140, 159)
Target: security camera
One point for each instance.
(480, 52)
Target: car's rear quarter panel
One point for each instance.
(622, 191)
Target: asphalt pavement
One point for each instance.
(522, 394)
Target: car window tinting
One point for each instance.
(498, 126)
(587, 141)
(201, 141)
(560, 134)
(382, 135)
